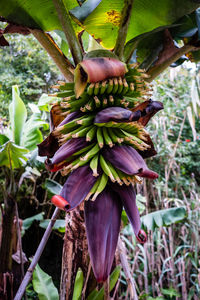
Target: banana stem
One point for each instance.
(68, 29)
(123, 28)
(56, 54)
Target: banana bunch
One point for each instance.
(124, 92)
(99, 140)
(106, 121)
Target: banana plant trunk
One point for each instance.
(75, 253)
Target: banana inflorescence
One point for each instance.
(112, 112)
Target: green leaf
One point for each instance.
(78, 285)
(147, 15)
(164, 217)
(170, 292)
(18, 115)
(28, 221)
(139, 201)
(124, 218)
(3, 139)
(86, 9)
(32, 134)
(59, 225)
(44, 102)
(53, 186)
(12, 156)
(43, 285)
(39, 14)
(98, 295)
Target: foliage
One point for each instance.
(164, 217)
(98, 295)
(176, 97)
(167, 265)
(78, 285)
(31, 69)
(43, 285)
(24, 135)
(12, 156)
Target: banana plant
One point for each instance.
(98, 137)
(19, 139)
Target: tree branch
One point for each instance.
(68, 29)
(56, 54)
(156, 70)
(123, 28)
(36, 258)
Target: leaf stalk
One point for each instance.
(123, 28)
(54, 52)
(68, 29)
(156, 70)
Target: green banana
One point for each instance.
(115, 87)
(97, 102)
(107, 138)
(132, 87)
(100, 137)
(126, 87)
(81, 132)
(62, 94)
(91, 134)
(110, 86)
(106, 168)
(83, 109)
(113, 137)
(91, 153)
(136, 139)
(111, 100)
(96, 88)
(123, 177)
(120, 137)
(74, 165)
(80, 163)
(85, 121)
(90, 89)
(120, 85)
(101, 186)
(105, 103)
(66, 128)
(114, 172)
(90, 105)
(83, 150)
(78, 103)
(94, 165)
(103, 87)
(93, 189)
(65, 86)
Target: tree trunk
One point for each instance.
(6, 277)
(75, 253)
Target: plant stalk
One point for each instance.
(125, 266)
(56, 54)
(123, 28)
(36, 258)
(155, 71)
(68, 29)
(106, 289)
